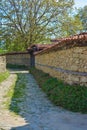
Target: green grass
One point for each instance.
(70, 97)
(4, 76)
(16, 93)
(2, 51)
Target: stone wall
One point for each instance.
(2, 64)
(69, 65)
(18, 59)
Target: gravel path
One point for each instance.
(37, 112)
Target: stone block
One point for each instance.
(74, 68)
(83, 79)
(78, 50)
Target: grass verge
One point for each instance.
(16, 93)
(73, 98)
(4, 76)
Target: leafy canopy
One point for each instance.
(24, 22)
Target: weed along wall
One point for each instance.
(66, 63)
(20, 58)
(2, 64)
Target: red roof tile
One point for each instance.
(76, 40)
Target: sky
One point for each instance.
(80, 3)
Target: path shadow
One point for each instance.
(17, 97)
(26, 127)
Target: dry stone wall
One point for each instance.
(69, 65)
(2, 64)
(18, 59)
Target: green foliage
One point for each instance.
(25, 22)
(4, 76)
(82, 13)
(73, 98)
(71, 26)
(16, 94)
(2, 51)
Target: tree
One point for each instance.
(82, 13)
(24, 22)
(30, 21)
(71, 26)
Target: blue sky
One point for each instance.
(80, 3)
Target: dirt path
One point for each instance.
(37, 112)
